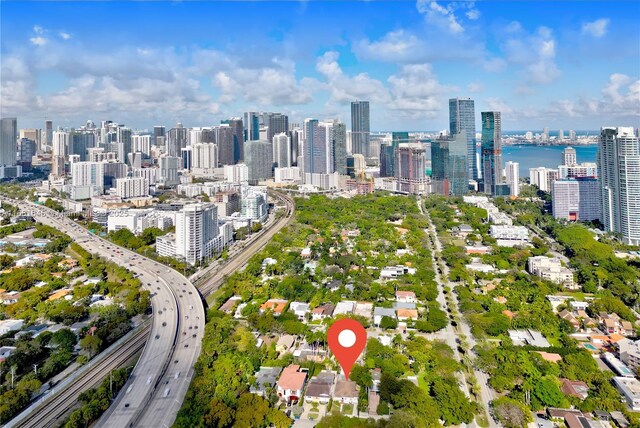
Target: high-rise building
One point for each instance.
(449, 166)
(619, 168)
(159, 136)
(491, 151)
(314, 147)
(410, 168)
(196, 237)
(79, 142)
(387, 158)
(48, 132)
(576, 199)
(132, 187)
(59, 147)
(237, 130)
(176, 140)
(204, 158)
(142, 144)
(276, 124)
(88, 174)
(572, 136)
(543, 178)
(585, 169)
(545, 134)
(26, 152)
(251, 126)
(561, 135)
(259, 159)
(360, 128)
(168, 172)
(8, 141)
(339, 147)
(282, 150)
(569, 156)
(34, 135)
(512, 174)
(462, 117)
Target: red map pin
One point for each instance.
(347, 339)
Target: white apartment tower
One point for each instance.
(282, 150)
(204, 158)
(619, 167)
(132, 187)
(196, 232)
(512, 172)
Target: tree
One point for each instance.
(388, 323)
(548, 393)
(361, 375)
(219, 414)
(91, 344)
(511, 413)
(65, 339)
(452, 404)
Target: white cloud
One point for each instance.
(394, 46)
(442, 16)
(597, 28)
(38, 29)
(473, 14)
(38, 40)
(416, 91)
(535, 53)
(475, 87)
(64, 36)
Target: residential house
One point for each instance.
(407, 314)
(346, 392)
(322, 312)
(10, 325)
(405, 296)
(574, 388)
(319, 388)
(228, 306)
(344, 307)
(364, 309)
(5, 352)
(265, 379)
(291, 383)
(391, 272)
(285, 343)
(10, 297)
(300, 309)
(379, 312)
(277, 306)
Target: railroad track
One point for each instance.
(48, 411)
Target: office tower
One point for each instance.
(576, 199)
(34, 135)
(491, 151)
(543, 178)
(187, 158)
(158, 132)
(462, 117)
(387, 159)
(545, 135)
(295, 136)
(177, 140)
(168, 172)
(569, 156)
(512, 172)
(339, 147)
(360, 128)
(410, 168)
(276, 123)
(314, 147)
(134, 159)
(123, 138)
(449, 166)
(132, 187)
(88, 174)
(561, 135)
(282, 150)
(237, 130)
(619, 167)
(80, 142)
(142, 144)
(251, 126)
(113, 171)
(196, 234)
(224, 141)
(26, 152)
(204, 158)
(48, 132)
(8, 141)
(259, 159)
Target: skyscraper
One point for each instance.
(276, 123)
(177, 140)
(569, 156)
(48, 132)
(512, 173)
(258, 156)
(59, 147)
(491, 151)
(462, 117)
(360, 128)
(224, 141)
(449, 166)
(339, 147)
(619, 165)
(315, 147)
(8, 141)
(410, 168)
(251, 126)
(282, 150)
(196, 232)
(237, 130)
(159, 135)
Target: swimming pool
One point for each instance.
(590, 347)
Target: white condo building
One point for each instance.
(236, 173)
(204, 158)
(282, 150)
(132, 187)
(619, 165)
(512, 172)
(543, 178)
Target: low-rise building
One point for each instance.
(629, 387)
(574, 388)
(617, 366)
(319, 388)
(10, 325)
(266, 377)
(551, 269)
(528, 337)
(344, 307)
(405, 296)
(277, 306)
(291, 383)
(300, 309)
(379, 313)
(509, 236)
(396, 271)
(322, 312)
(346, 392)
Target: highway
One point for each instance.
(162, 375)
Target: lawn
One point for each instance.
(347, 409)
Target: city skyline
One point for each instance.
(312, 59)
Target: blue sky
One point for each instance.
(570, 65)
